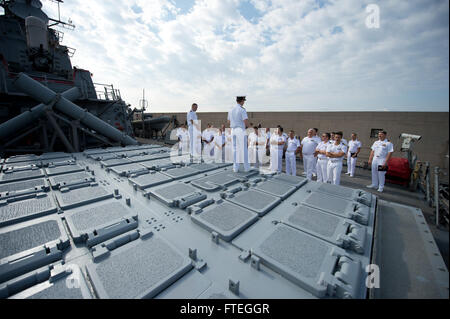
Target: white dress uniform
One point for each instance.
(236, 116)
(208, 148)
(252, 148)
(351, 161)
(228, 146)
(322, 163)
(291, 165)
(194, 138)
(318, 140)
(308, 149)
(335, 163)
(381, 150)
(276, 153)
(219, 151)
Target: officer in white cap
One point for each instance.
(238, 121)
(335, 153)
(379, 157)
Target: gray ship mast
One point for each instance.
(143, 105)
(35, 67)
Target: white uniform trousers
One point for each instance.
(195, 147)
(191, 140)
(334, 171)
(351, 164)
(308, 165)
(291, 165)
(322, 167)
(276, 160)
(378, 178)
(240, 149)
(315, 166)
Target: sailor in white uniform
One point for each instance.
(354, 147)
(293, 147)
(309, 144)
(194, 132)
(277, 142)
(335, 154)
(238, 121)
(208, 144)
(379, 157)
(322, 159)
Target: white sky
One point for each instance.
(286, 55)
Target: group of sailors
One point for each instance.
(243, 143)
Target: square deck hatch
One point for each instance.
(140, 269)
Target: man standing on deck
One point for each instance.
(379, 157)
(194, 132)
(354, 147)
(238, 121)
(277, 142)
(308, 147)
(335, 153)
(322, 159)
(293, 147)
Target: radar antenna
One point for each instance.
(66, 25)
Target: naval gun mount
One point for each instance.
(31, 48)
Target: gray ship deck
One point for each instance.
(201, 231)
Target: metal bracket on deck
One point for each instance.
(344, 280)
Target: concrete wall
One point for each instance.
(433, 127)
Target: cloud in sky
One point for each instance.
(285, 55)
